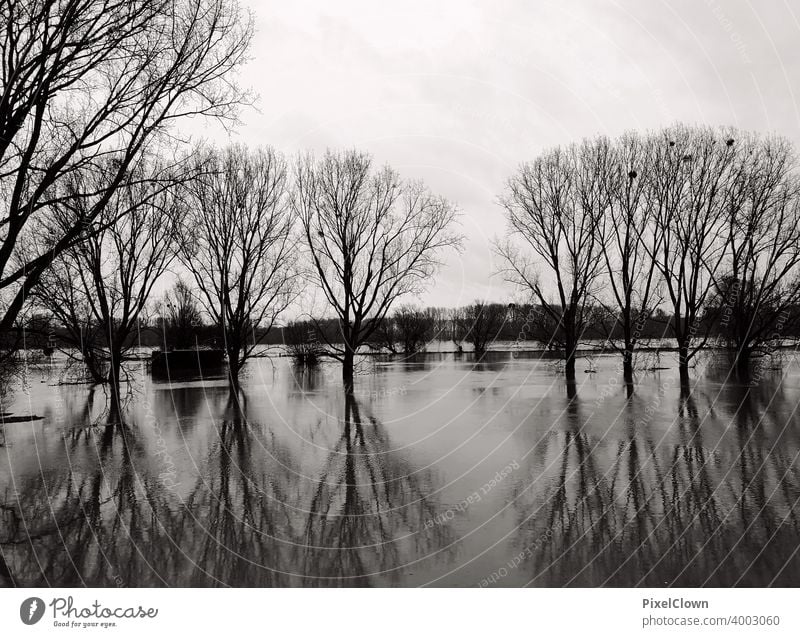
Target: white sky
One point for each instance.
(458, 93)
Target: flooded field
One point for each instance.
(440, 471)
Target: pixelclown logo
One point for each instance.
(31, 610)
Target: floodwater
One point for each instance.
(439, 471)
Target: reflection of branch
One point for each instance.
(364, 520)
(653, 514)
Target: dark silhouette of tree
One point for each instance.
(372, 239)
(758, 287)
(554, 207)
(99, 288)
(181, 316)
(87, 85)
(627, 239)
(239, 246)
(689, 179)
(303, 342)
(386, 336)
(480, 324)
(408, 329)
(414, 327)
(708, 217)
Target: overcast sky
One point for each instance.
(459, 93)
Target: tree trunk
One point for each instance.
(234, 370)
(348, 364)
(569, 367)
(570, 353)
(115, 390)
(572, 390)
(96, 369)
(234, 364)
(627, 364)
(683, 364)
(742, 362)
(234, 384)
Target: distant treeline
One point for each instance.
(407, 330)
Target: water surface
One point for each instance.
(438, 471)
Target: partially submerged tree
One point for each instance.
(758, 287)
(554, 207)
(99, 288)
(181, 316)
(628, 236)
(689, 177)
(83, 82)
(710, 215)
(414, 326)
(386, 336)
(449, 328)
(408, 330)
(480, 324)
(372, 238)
(303, 344)
(239, 246)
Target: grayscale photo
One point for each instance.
(452, 295)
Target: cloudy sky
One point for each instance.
(459, 93)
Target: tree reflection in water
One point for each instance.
(371, 502)
(246, 516)
(71, 528)
(296, 483)
(647, 512)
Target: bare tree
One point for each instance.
(689, 177)
(181, 315)
(415, 327)
(300, 338)
(448, 325)
(99, 288)
(408, 330)
(554, 205)
(386, 336)
(82, 81)
(239, 246)
(758, 286)
(372, 239)
(480, 324)
(628, 236)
